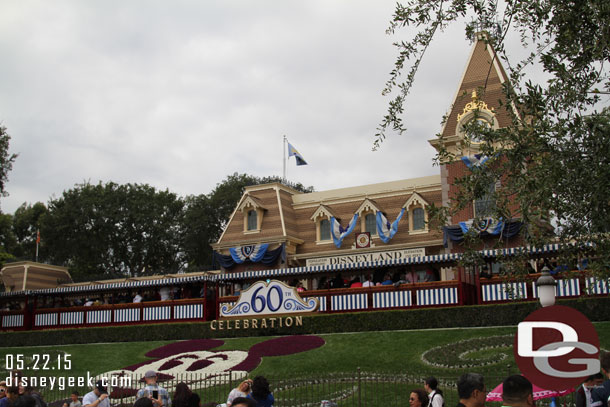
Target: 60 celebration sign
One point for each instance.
(263, 298)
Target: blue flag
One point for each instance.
(293, 152)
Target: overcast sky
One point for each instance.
(179, 94)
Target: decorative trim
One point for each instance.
(323, 211)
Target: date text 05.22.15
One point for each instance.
(37, 362)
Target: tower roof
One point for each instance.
(485, 75)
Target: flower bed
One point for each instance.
(454, 355)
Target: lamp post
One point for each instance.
(546, 288)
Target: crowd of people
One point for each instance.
(517, 391)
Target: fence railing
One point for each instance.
(347, 389)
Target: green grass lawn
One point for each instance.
(387, 352)
(392, 355)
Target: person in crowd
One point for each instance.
(24, 401)
(74, 401)
(4, 402)
(431, 275)
(243, 402)
(143, 402)
(240, 391)
(184, 397)
(600, 395)
(65, 404)
(355, 283)
(337, 282)
(30, 391)
(98, 397)
(165, 293)
(412, 276)
(158, 395)
(471, 390)
(12, 394)
(434, 394)
(583, 394)
(261, 393)
(138, 298)
(387, 280)
(368, 282)
(418, 398)
(517, 391)
(300, 287)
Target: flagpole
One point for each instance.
(37, 241)
(284, 147)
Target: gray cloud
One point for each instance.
(180, 94)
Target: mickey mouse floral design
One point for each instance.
(178, 359)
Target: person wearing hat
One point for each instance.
(158, 395)
(98, 397)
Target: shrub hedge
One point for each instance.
(509, 314)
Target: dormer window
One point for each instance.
(419, 219)
(253, 212)
(324, 229)
(252, 220)
(367, 212)
(322, 217)
(370, 223)
(418, 216)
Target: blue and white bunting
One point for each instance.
(254, 253)
(337, 231)
(385, 230)
(476, 160)
(489, 225)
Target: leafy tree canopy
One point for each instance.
(6, 159)
(554, 159)
(110, 230)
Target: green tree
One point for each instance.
(110, 230)
(6, 159)
(554, 159)
(26, 224)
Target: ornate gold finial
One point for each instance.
(475, 104)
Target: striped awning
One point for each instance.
(513, 251)
(439, 258)
(435, 259)
(113, 286)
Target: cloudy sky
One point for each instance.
(180, 94)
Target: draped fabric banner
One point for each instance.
(489, 225)
(255, 254)
(476, 160)
(456, 233)
(337, 231)
(386, 230)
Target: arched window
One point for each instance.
(419, 221)
(370, 224)
(252, 220)
(325, 229)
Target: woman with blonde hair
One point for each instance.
(240, 391)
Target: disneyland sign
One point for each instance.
(364, 257)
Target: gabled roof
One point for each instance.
(323, 210)
(485, 75)
(250, 201)
(368, 205)
(415, 199)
